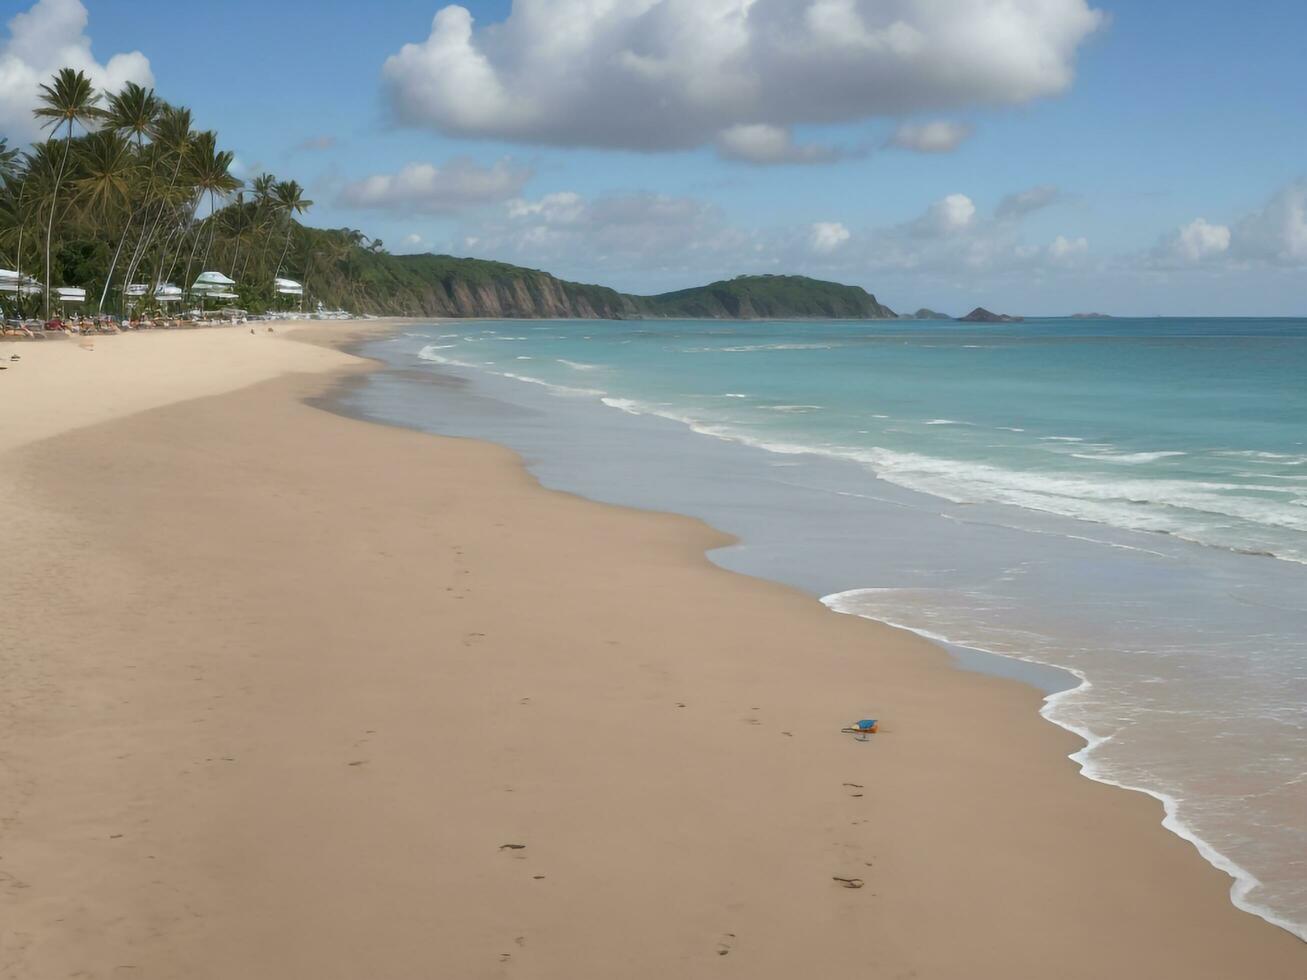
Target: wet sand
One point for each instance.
(290, 695)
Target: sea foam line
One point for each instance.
(1243, 880)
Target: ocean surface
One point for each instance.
(1122, 499)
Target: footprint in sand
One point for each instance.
(726, 944)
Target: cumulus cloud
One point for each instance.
(827, 236)
(427, 189)
(951, 239)
(49, 36)
(1277, 233)
(940, 136)
(1022, 203)
(673, 74)
(948, 216)
(1197, 243)
(1201, 240)
(1273, 235)
(762, 144)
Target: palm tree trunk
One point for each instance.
(108, 279)
(213, 227)
(147, 237)
(49, 228)
(290, 223)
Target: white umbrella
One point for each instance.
(12, 282)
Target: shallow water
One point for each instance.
(1123, 499)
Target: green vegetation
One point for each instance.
(747, 297)
(114, 198)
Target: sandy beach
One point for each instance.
(284, 694)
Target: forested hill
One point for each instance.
(367, 281)
(770, 297)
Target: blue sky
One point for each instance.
(1154, 115)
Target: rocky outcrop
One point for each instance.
(982, 315)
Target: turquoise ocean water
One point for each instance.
(1125, 499)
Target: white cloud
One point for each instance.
(1022, 203)
(1276, 234)
(673, 74)
(1200, 240)
(940, 136)
(414, 242)
(947, 216)
(1065, 249)
(827, 236)
(763, 144)
(49, 36)
(1194, 243)
(427, 189)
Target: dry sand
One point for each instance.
(277, 687)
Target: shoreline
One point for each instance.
(1242, 880)
(753, 863)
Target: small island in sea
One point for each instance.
(982, 315)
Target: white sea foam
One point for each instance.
(753, 348)
(428, 353)
(1217, 514)
(556, 389)
(1129, 457)
(578, 365)
(1190, 510)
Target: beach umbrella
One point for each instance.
(12, 282)
(213, 285)
(211, 282)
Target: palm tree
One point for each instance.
(132, 113)
(70, 100)
(211, 174)
(106, 165)
(290, 198)
(171, 140)
(264, 186)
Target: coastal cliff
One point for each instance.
(371, 281)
